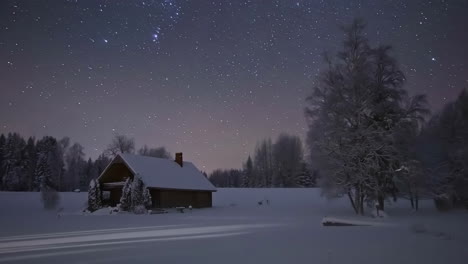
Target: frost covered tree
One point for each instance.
(159, 152)
(19, 163)
(140, 197)
(49, 170)
(50, 165)
(353, 113)
(135, 196)
(125, 199)
(94, 196)
(137, 192)
(411, 178)
(444, 152)
(120, 144)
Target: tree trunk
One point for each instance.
(357, 200)
(417, 202)
(412, 201)
(361, 204)
(352, 202)
(380, 200)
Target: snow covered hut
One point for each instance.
(171, 183)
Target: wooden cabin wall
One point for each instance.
(176, 198)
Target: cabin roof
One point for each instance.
(164, 173)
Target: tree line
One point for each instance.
(274, 164)
(56, 164)
(372, 142)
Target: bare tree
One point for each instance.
(159, 152)
(263, 164)
(288, 156)
(120, 144)
(410, 178)
(75, 166)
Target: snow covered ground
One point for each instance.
(236, 230)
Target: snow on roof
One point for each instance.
(165, 173)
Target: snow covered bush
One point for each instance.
(50, 198)
(443, 203)
(94, 196)
(147, 198)
(140, 209)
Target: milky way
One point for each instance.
(208, 78)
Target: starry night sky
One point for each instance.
(208, 78)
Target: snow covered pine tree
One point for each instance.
(94, 196)
(48, 171)
(140, 196)
(125, 199)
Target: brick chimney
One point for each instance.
(179, 159)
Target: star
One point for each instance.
(202, 65)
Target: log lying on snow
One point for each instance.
(332, 221)
(157, 211)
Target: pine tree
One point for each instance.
(49, 167)
(247, 174)
(100, 164)
(304, 178)
(30, 161)
(13, 174)
(443, 150)
(94, 196)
